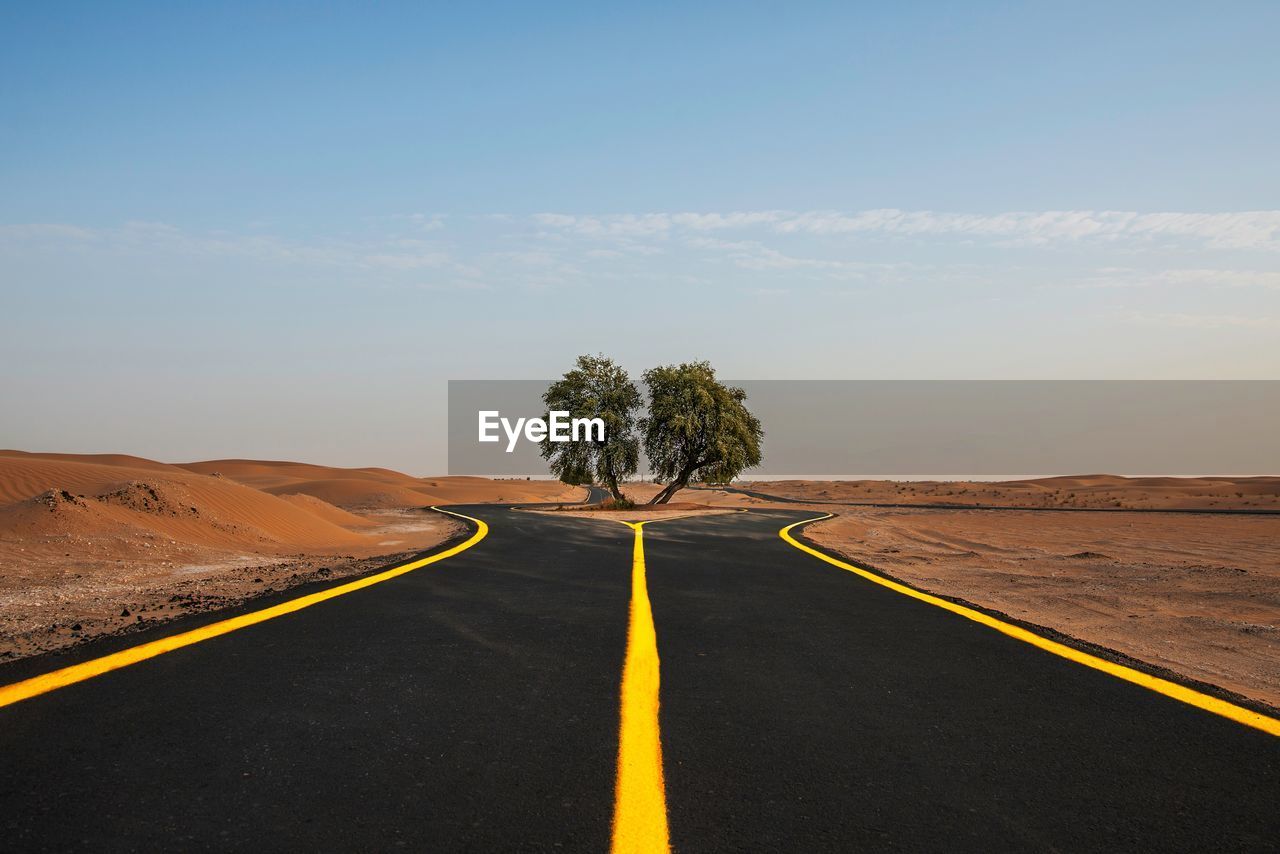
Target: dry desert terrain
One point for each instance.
(101, 544)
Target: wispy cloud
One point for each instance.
(407, 260)
(770, 250)
(752, 255)
(1232, 230)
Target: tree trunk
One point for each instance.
(665, 495)
(671, 490)
(611, 481)
(675, 486)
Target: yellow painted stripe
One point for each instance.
(87, 670)
(1153, 683)
(640, 800)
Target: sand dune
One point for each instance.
(23, 475)
(177, 504)
(468, 490)
(58, 513)
(100, 459)
(263, 506)
(327, 511)
(351, 492)
(379, 487)
(89, 543)
(270, 473)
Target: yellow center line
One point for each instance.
(640, 800)
(44, 683)
(1152, 683)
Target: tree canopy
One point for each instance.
(697, 428)
(596, 388)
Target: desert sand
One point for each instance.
(641, 513)
(98, 544)
(1098, 491)
(640, 492)
(1195, 593)
(380, 488)
(687, 503)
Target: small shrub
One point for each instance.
(618, 504)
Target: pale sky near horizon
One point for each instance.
(277, 232)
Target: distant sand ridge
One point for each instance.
(1098, 491)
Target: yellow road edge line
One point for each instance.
(53, 680)
(640, 800)
(1173, 690)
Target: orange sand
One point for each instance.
(91, 543)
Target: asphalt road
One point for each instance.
(473, 705)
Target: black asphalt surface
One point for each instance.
(472, 705)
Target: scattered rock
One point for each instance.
(57, 499)
(167, 500)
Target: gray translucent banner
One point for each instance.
(947, 428)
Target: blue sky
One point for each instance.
(277, 231)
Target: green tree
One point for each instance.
(697, 428)
(596, 388)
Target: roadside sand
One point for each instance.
(1098, 491)
(641, 514)
(642, 492)
(686, 503)
(93, 545)
(1199, 595)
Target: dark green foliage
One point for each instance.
(697, 427)
(596, 388)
